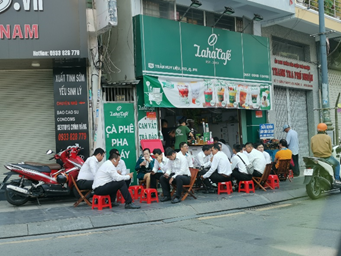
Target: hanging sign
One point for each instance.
(172, 92)
(266, 131)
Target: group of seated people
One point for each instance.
(172, 167)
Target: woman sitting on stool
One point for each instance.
(144, 166)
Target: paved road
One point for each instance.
(296, 227)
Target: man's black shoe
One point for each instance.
(176, 200)
(132, 206)
(114, 204)
(165, 198)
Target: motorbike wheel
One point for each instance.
(14, 198)
(313, 190)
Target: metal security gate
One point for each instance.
(291, 108)
(26, 116)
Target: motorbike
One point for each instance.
(38, 180)
(319, 174)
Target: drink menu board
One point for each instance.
(71, 108)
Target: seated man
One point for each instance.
(87, 172)
(121, 167)
(107, 181)
(184, 150)
(239, 163)
(256, 158)
(177, 173)
(282, 153)
(223, 147)
(160, 167)
(203, 158)
(260, 147)
(220, 170)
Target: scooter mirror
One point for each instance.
(49, 152)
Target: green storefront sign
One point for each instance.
(120, 132)
(169, 48)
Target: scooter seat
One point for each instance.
(35, 168)
(52, 166)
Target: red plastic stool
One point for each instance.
(246, 186)
(120, 198)
(225, 187)
(147, 196)
(273, 181)
(291, 174)
(136, 195)
(101, 202)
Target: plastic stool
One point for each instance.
(120, 198)
(101, 202)
(225, 187)
(273, 181)
(291, 174)
(136, 195)
(147, 196)
(248, 186)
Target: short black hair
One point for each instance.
(215, 138)
(256, 145)
(98, 151)
(206, 147)
(147, 149)
(222, 141)
(157, 151)
(283, 142)
(182, 144)
(249, 143)
(113, 155)
(216, 146)
(114, 150)
(169, 151)
(237, 147)
(164, 121)
(182, 120)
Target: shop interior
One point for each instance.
(223, 123)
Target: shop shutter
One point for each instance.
(281, 109)
(26, 117)
(299, 120)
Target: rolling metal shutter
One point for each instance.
(291, 108)
(26, 116)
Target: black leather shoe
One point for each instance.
(132, 206)
(165, 198)
(176, 200)
(114, 204)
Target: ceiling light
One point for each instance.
(194, 4)
(35, 64)
(257, 17)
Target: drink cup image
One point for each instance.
(195, 92)
(208, 93)
(232, 90)
(242, 98)
(220, 94)
(183, 92)
(265, 101)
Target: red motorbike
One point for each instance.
(37, 180)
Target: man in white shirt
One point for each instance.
(293, 145)
(107, 181)
(260, 147)
(177, 173)
(223, 147)
(184, 150)
(203, 158)
(160, 167)
(239, 163)
(220, 170)
(87, 173)
(257, 159)
(121, 167)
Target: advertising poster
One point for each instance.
(71, 108)
(172, 92)
(119, 121)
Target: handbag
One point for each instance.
(249, 167)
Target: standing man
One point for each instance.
(220, 170)
(107, 181)
(181, 134)
(293, 144)
(87, 172)
(184, 150)
(177, 173)
(321, 146)
(256, 158)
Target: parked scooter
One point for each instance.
(43, 180)
(319, 174)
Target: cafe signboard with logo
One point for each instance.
(195, 66)
(120, 131)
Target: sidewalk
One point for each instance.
(55, 216)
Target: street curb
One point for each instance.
(116, 219)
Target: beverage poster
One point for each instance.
(205, 93)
